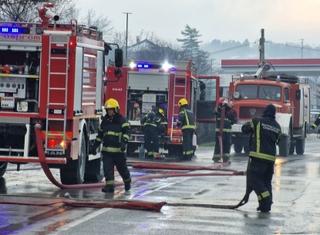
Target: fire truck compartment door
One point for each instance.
(148, 81)
(99, 80)
(284, 121)
(78, 79)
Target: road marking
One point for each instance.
(82, 220)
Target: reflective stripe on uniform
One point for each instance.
(163, 123)
(224, 130)
(112, 133)
(98, 139)
(126, 137)
(109, 182)
(188, 152)
(188, 127)
(262, 156)
(126, 124)
(258, 137)
(150, 124)
(265, 194)
(111, 149)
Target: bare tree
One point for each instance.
(102, 23)
(26, 10)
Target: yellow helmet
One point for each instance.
(182, 102)
(161, 111)
(111, 104)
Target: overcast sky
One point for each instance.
(283, 20)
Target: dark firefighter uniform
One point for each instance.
(265, 133)
(187, 125)
(163, 124)
(114, 135)
(230, 118)
(151, 124)
(316, 122)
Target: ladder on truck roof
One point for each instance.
(58, 71)
(179, 91)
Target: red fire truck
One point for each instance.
(251, 94)
(52, 74)
(142, 85)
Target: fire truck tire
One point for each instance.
(237, 148)
(73, 172)
(300, 144)
(3, 168)
(284, 146)
(93, 171)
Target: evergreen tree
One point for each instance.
(191, 50)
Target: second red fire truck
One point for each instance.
(142, 85)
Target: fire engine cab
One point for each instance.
(142, 85)
(291, 97)
(52, 74)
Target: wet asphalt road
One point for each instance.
(296, 208)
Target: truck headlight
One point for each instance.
(22, 106)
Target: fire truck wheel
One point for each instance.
(237, 148)
(3, 168)
(93, 171)
(300, 143)
(73, 171)
(284, 145)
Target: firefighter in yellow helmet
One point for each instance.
(114, 135)
(163, 126)
(187, 125)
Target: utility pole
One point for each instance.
(127, 24)
(261, 49)
(302, 47)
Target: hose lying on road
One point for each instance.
(166, 166)
(123, 204)
(48, 173)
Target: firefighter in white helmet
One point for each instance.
(114, 135)
(187, 124)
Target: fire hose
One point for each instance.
(123, 204)
(48, 173)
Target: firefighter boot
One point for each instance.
(108, 188)
(226, 158)
(216, 158)
(127, 185)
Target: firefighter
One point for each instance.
(163, 122)
(114, 135)
(316, 122)
(151, 124)
(264, 135)
(187, 125)
(162, 126)
(224, 121)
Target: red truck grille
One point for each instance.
(250, 112)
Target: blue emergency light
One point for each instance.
(143, 66)
(13, 30)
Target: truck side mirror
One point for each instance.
(298, 94)
(118, 58)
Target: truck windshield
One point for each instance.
(265, 92)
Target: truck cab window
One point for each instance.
(286, 94)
